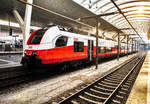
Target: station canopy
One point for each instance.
(137, 13)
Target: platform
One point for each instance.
(140, 93)
(12, 56)
(8, 64)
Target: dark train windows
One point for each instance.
(61, 41)
(38, 36)
(108, 49)
(78, 46)
(99, 49)
(116, 47)
(104, 49)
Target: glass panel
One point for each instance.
(61, 41)
(78, 46)
(36, 39)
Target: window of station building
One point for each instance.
(36, 39)
(78, 46)
(61, 41)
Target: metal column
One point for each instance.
(97, 42)
(135, 46)
(132, 46)
(127, 44)
(27, 21)
(118, 51)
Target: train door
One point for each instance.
(90, 50)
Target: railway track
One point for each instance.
(12, 76)
(112, 88)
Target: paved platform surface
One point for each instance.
(140, 93)
(11, 52)
(8, 63)
(3, 62)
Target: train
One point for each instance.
(53, 45)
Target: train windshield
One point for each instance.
(38, 36)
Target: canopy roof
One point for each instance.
(137, 13)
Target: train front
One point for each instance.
(37, 45)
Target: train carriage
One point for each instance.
(52, 45)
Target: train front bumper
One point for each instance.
(30, 60)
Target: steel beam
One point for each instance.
(100, 15)
(127, 44)
(118, 51)
(19, 19)
(125, 18)
(132, 45)
(97, 42)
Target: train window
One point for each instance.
(37, 36)
(99, 49)
(108, 49)
(116, 47)
(102, 50)
(61, 41)
(78, 46)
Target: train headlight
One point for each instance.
(34, 53)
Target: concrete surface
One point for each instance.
(140, 93)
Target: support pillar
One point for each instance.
(97, 42)
(135, 46)
(132, 46)
(127, 44)
(27, 21)
(118, 51)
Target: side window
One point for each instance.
(38, 36)
(78, 46)
(102, 50)
(108, 49)
(116, 47)
(61, 41)
(99, 49)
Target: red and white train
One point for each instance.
(53, 45)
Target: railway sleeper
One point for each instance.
(82, 100)
(126, 86)
(124, 89)
(107, 86)
(90, 98)
(121, 93)
(74, 102)
(118, 74)
(115, 101)
(100, 94)
(118, 78)
(114, 80)
(110, 83)
(102, 90)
